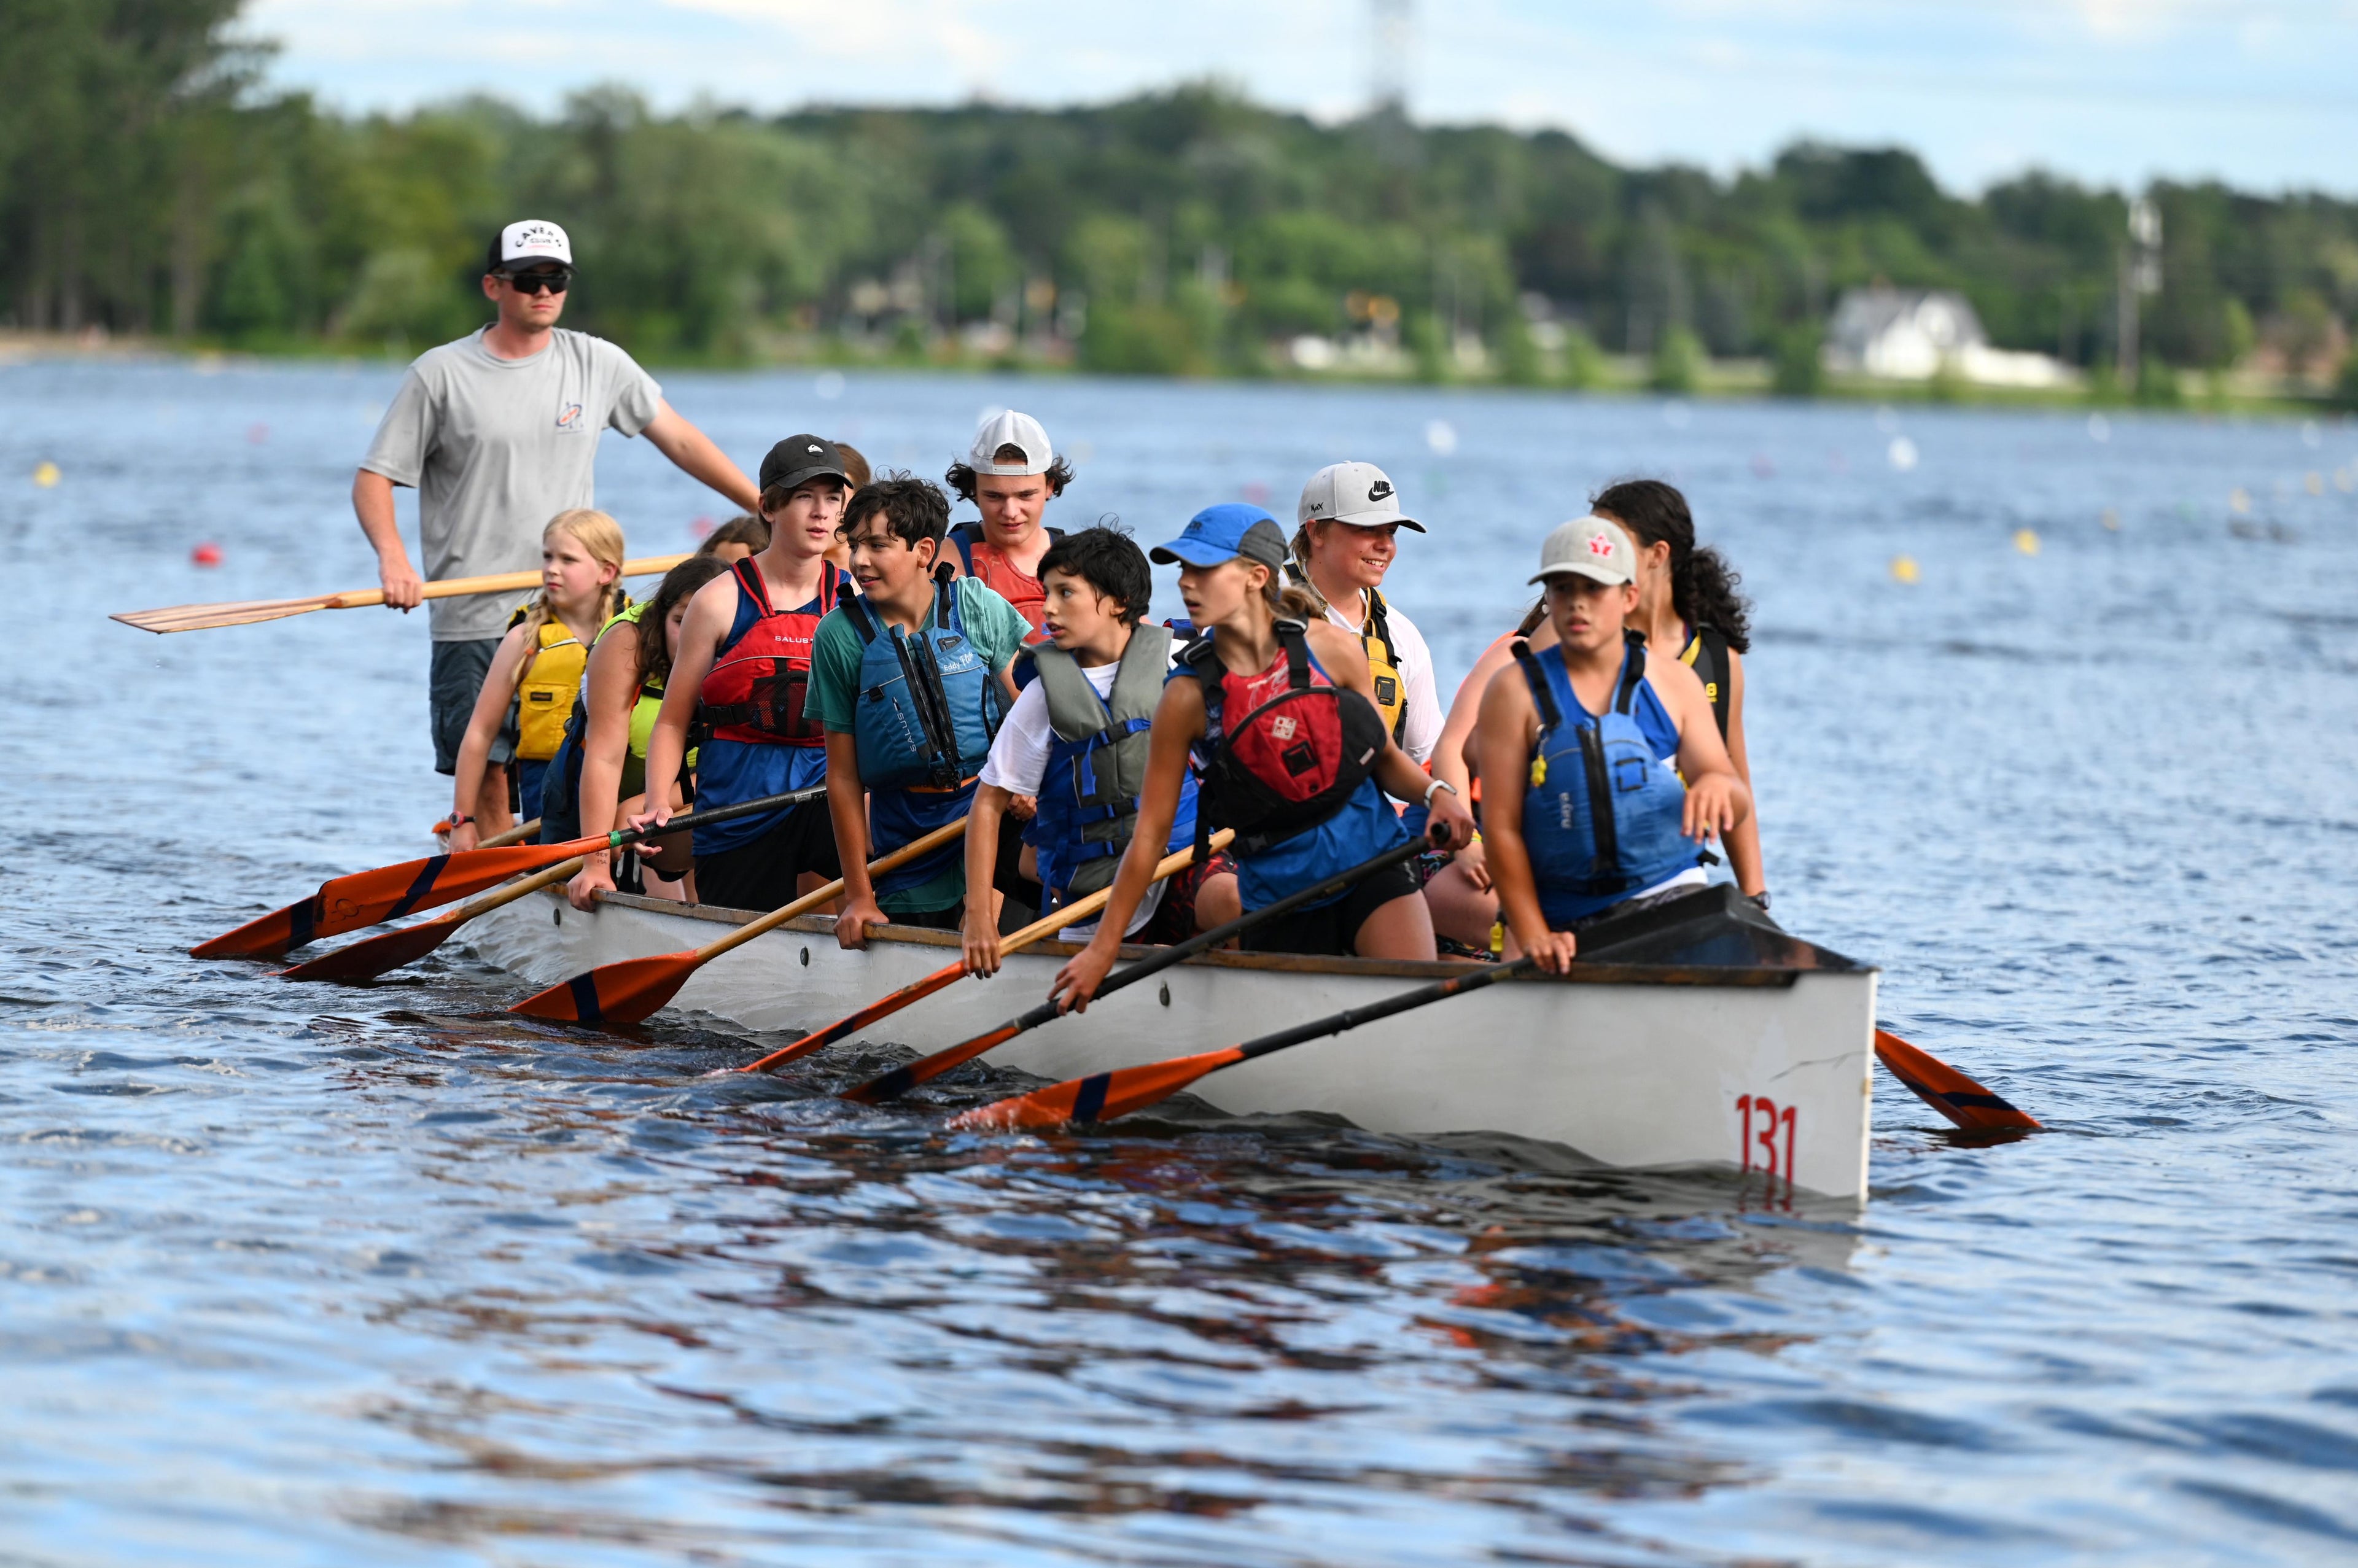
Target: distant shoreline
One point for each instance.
(1617, 375)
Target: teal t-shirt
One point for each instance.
(997, 630)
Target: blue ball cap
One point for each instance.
(1223, 533)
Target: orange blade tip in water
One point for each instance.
(1100, 1096)
(626, 992)
(1960, 1099)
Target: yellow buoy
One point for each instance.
(2026, 540)
(2112, 521)
(47, 475)
(1903, 569)
(2239, 500)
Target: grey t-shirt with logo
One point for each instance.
(496, 448)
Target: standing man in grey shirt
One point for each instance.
(497, 432)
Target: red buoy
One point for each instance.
(206, 555)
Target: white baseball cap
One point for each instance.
(1011, 429)
(1591, 546)
(532, 240)
(1358, 494)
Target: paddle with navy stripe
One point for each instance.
(637, 988)
(902, 1079)
(368, 898)
(1101, 1097)
(1072, 914)
(372, 956)
(1947, 1090)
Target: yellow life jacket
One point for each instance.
(1383, 658)
(648, 704)
(552, 678)
(1391, 687)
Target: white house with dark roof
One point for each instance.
(1911, 334)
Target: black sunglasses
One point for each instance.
(555, 280)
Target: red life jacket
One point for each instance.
(991, 565)
(755, 689)
(1282, 750)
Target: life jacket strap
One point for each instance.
(1542, 695)
(1633, 669)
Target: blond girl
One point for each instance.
(538, 670)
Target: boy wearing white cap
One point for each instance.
(1350, 517)
(497, 432)
(1624, 773)
(1010, 475)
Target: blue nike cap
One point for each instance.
(1223, 533)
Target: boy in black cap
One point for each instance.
(744, 653)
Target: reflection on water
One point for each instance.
(300, 1275)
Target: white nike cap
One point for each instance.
(1358, 494)
(1011, 429)
(532, 240)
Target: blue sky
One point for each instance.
(2256, 92)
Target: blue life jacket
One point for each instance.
(929, 703)
(1602, 813)
(1097, 764)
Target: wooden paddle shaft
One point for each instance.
(500, 897)
(808, 901)
(1080, 909)
(515, 835)
(504, 582)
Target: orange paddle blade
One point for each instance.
(916, 991)
(909, 1074)
(372, 956)
(1947, 1090)
(627, 993)
(366, 898)
(1100, 1096)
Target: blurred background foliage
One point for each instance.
(151, 184)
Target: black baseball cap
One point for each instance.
(798, 459)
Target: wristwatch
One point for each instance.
(1760, 900)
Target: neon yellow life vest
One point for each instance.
(552, 678)
(643, 717)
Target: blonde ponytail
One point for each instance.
(599, 535)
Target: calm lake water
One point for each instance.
(303, 1275)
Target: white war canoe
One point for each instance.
(1693, 1035)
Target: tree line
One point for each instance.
(151, 183)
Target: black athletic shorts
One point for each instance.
(452, 683)
(761, 875)
(1331, 930)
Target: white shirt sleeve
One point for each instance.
(1019, 755)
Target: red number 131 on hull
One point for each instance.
(1759, 1152)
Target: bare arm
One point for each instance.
(1178, 724)
(373, 504)
(981, 922)
(693, 453)
(1449, 754)
(1744, 840)
(609, 692)
(482, 727)
(847, 808)
(1716, 798)
(1502, 744)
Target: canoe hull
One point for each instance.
(1636, 1067)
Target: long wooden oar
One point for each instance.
(1101, 1097)
(637, 988)
(902, 1079)
(365, 898)
(372, 956)
(1947, 1090)
(1072, 914)
(245, 612)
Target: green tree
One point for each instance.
(1678, 363)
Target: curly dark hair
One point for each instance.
(914, 508)
(1108, 560)
(961, 477)
(1703, 585)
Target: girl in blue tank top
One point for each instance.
(1583, 810)
(1298, 761)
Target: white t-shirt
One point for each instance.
(496, 448)
(1421, 734)
(1019, 761)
